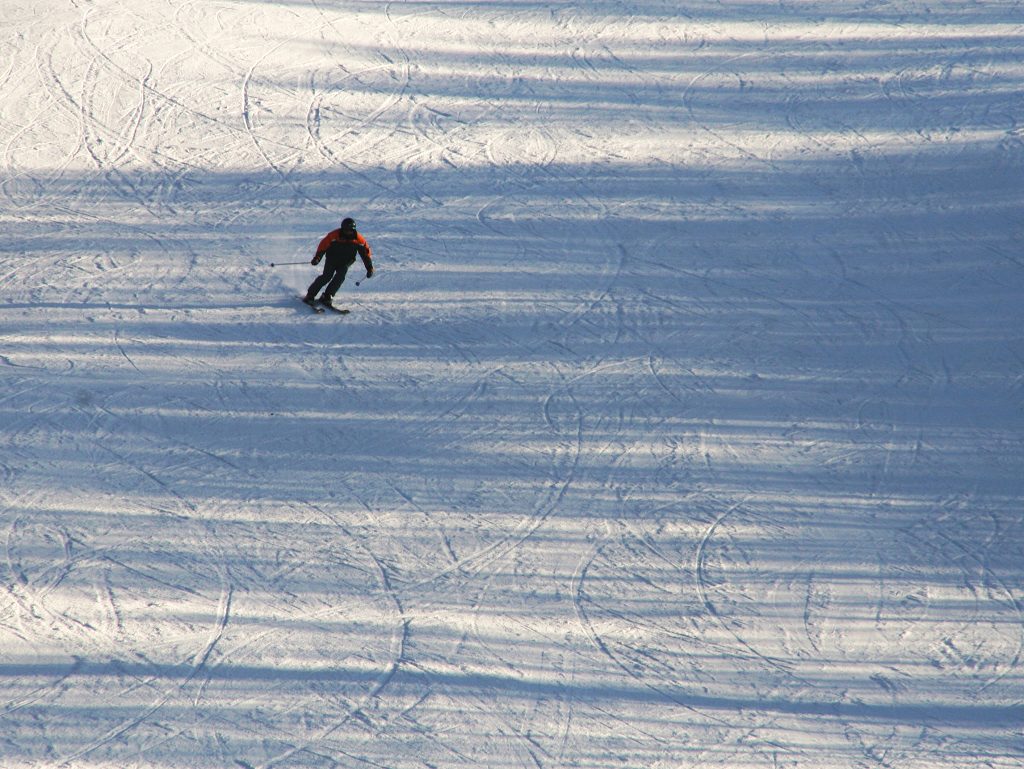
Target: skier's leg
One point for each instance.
(320, 281)
(336, 281)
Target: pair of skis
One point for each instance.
(319, 307)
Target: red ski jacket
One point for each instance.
(346, 247)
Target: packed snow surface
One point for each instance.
(682, 424)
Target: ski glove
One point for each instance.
(316, 259)
(369, 272)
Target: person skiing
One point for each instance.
(340, 246)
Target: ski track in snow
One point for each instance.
(681, 425)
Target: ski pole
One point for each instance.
(362, 279)
(282, 264)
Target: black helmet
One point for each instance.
(348, 223)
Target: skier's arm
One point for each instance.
(366, 255)
(321, 249)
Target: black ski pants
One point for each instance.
(335, 270)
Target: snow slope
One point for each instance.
(681, 426)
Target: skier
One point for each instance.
(340, 246)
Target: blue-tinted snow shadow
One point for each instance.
(737, 398)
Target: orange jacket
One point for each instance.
(346, 247)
